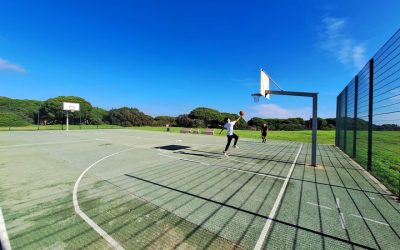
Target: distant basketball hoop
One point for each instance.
(71, 107)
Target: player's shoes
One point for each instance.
(235, 146)
(225, 153)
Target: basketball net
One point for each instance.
(256, 97)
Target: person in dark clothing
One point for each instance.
(264, 133)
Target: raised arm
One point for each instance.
(238, 119)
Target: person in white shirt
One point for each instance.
(229, 133)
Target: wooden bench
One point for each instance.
(208, 131)
(196, 131)
(186, 130)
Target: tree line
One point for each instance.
(15, 112)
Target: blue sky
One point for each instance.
(168, 57)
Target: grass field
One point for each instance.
(324, 136)
(149, 190)
(385, 156)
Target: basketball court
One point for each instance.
(129, 189)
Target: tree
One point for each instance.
(322, 124)
(256, 122)
(210, 117)
(129, 117)
(51, 111)
(186, 121)
(164, 120)
(97, 116)
(15, 112)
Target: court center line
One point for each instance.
(342, 221)
(183, 159)
(253, 163)
(231, 169)
(319, 205)
(375, 221)
(267, 226)
(101, 139)
(4, 241)
(43, 143)
(337, 203)
(86, 218)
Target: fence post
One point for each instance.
(337, 119)
(345, 119)
(38, 118)
(355, 116)
(370, 113)
(9, 116)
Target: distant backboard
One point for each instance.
(264, 83)
(70, 106)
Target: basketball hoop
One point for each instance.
(256, 97)
(72, 109)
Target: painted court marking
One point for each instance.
(337, 203)
(86, 218)
(253, 163)
(183, 159)
(375, 221)
(5, 243)
(319, 205)
(278, 200)
(342, 221)
(43, 143)
(231, 169)
(101, 139)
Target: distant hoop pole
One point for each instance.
(67, 120)
(314, 96)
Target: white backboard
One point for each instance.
(264, 83)
(70, 106)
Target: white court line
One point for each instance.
(183, 159)
(375, 221)
(43, 143)
(319, 205)
(219, 166)
(337, 203)
(86, 218)
(101, 139)
(267, 226)
(5, 243)
(342, 221)
(242, 161)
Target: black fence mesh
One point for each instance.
(368, 115)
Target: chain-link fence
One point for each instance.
(368, 115)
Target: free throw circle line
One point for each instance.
(86, 218)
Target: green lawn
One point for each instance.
(324, 136)
(385, 156)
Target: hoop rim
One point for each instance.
(256, 97)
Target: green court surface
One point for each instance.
(102, 189)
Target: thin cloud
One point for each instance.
(276, 111)
(337, 43)
(6, 65)
(248, 82)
